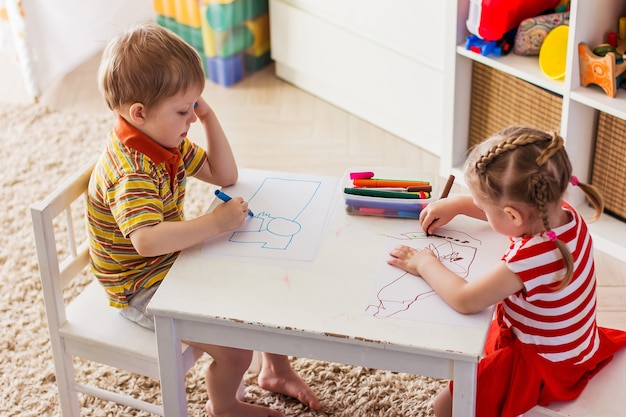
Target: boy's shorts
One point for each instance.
(137, 307)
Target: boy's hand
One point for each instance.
(232, 214)
(202, 108)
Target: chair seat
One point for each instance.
(96, 331)
(87, 327)
(603, 395)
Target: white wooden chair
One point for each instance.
(87, 327)
(602, 397)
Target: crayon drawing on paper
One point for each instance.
(291, 213)
(397, 294)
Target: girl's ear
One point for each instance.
(137, 113)
(514, 215)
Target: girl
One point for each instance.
(544, 344)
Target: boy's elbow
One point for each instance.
(230, 180)
(146, 252)
(144, 249)
(143, 244)
(224, 179)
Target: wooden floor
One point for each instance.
(274, 125)
(271, 124)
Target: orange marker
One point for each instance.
(379, 182)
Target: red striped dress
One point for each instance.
(544, 344)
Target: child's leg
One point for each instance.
(223, 377)
(278, 376)
(224, 374)
(442, 406)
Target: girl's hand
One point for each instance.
(437, 214)
(410, 259)
(441, 212)
(231, 214)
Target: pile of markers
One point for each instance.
(372, 196)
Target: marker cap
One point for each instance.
(361, 175)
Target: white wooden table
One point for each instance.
(311, 311)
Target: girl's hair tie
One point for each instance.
(551, 235)
(574, 180)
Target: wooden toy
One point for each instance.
(600, 70)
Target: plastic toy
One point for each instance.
(553, 53)
(483, 47)
(492, 19)
(231, 36)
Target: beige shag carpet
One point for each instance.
(41, 148)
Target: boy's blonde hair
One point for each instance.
(528, 166)
(148, 64)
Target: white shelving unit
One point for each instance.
(590, 21)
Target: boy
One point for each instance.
(152, 80)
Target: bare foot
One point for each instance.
(240, 409)
(289, 383)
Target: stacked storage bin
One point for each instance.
(236, 38)
(183, 18)
(231, 36)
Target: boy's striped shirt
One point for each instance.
(135, 183)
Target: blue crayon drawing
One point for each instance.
(275, 227)
(291, 215)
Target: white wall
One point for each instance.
(382, 61)
(60, 35)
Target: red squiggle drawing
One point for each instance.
(455, 249)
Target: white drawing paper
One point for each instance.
(291, 216)
(468, 250)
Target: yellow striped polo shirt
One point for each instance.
(135, 183)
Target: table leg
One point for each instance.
(171, 369)
(464, 398)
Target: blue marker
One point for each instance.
(225, 197)
(412, 214)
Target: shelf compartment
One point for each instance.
(523, 67)
(499, 100)
(595, 98)
(609, 164)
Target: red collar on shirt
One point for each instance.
(135, 139)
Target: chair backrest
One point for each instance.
(85, 326)
(57, 266)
